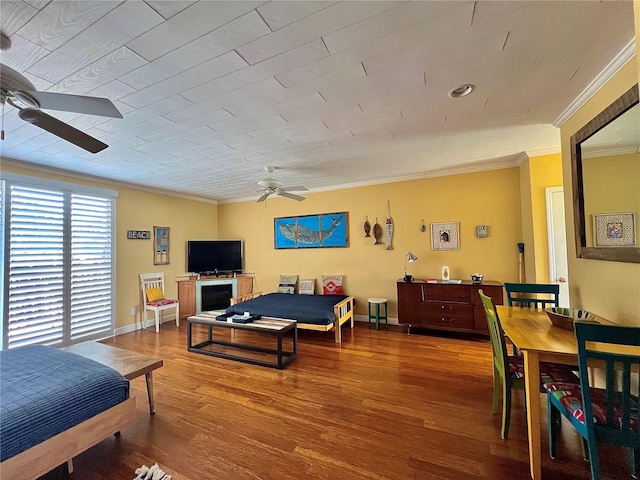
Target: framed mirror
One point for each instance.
(605, 169)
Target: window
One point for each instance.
(57, 262)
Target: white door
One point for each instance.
(558, 268)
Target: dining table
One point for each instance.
(539, 341)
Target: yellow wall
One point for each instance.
(612, 184)
(527, 233)
(545, 171)
(138, 210)
(491, 198)
(609, 289)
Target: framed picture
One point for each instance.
(161, 245)
(445, 236)
(311, 231)
(614, 229)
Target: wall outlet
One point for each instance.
(133, 312)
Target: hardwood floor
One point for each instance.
(384, 405)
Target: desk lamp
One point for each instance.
(410, 257)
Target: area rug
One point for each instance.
(153, 473)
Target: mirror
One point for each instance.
(605, 167)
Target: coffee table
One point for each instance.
(127, 363)
(265, 326)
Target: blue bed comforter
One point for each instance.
(45, 391)
(315, 309)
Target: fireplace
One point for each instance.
(215, 297)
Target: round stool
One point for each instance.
(377, 313)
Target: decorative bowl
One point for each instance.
(477, 277)
(564, 317)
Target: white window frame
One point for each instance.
(8, 179)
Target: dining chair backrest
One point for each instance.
(626, 396)
(496, 335)
(528, 294)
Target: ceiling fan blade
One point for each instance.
(299, 188)
(61, 129)
(263, 197)
(292, 196)
(102, 107)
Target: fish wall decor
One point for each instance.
(367, 227)
(377, 232)
(311, 231)
(389, 226)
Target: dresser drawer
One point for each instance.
(448, 293)
(448, 315)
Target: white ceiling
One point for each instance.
(333, 93)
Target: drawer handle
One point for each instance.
(447, 320)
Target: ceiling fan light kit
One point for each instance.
(20, 93)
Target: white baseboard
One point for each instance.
(143, 325)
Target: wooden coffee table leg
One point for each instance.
(149, 378)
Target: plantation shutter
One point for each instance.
(58, 264)
(36, 282)
(91, 298)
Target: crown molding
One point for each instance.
(105, 181)
(459, 170)
(619, 61)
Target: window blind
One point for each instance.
(58, 268)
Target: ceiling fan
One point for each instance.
(270, 186)
(20, 93)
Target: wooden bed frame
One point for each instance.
(342, 311)
(51, 453)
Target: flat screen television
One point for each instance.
(214, 256)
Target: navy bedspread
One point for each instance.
(316, 309)
(45, 391)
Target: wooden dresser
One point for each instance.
(446, 306)
(187, 290)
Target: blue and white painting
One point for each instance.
(311, 231)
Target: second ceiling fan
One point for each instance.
(270, 186)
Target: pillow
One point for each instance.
(332, 284)
(287, 284)
(154, 294)
(307, 286)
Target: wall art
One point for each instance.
(614, 230)
(445, 236)
(161, 245)
(311, 231)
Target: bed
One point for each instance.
(312, 312)
(55, 404)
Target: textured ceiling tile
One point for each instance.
(14, 15)
(281, 14)
(112, 31)
(188, 25)
(220, 41)
(168, 8)
(293, 58)
(150, 111)
(215, 68)
(22, 54)
(104, 70)
(112, 90)
(59, 22)
(398, 18)
(225, 100)
(311, 28)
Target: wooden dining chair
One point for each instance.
(153, 300)
(610, 414)
(528, 294)
(508, 370)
